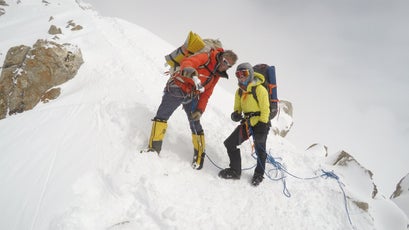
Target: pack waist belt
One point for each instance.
(251, 114)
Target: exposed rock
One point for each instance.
(319, 148)
(77, 27)
(28, 73)
(401, 195)
(51, 18)
(287, 107)
(401, 187)
(74, 27)
(283, 122)
(51, 95)
(54, 30)
(16, 55)
(70, 23)
(343, 159)
(397, 191)
(346, 160)
(362, 205)
(2, 10)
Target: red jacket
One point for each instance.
(206, 65)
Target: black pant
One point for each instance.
(238, 136)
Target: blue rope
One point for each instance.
(207, 156)
(278, 167)
(332, 175)
(325, 174)
(243, 169)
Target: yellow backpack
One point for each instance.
(193, 44)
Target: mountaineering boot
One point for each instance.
(198, 141)
(229, 173)
(157, 133)
(257, 179)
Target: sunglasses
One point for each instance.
(226, 62)
(242, 73)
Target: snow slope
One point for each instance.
(401, 194)
(74, 163)
(346, 83)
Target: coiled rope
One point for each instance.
(281, 173)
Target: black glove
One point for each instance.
(189, 72)
(273, 110)
(236, 116)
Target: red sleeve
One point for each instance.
(204, 97)
(194, 61)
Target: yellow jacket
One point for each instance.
(247, 103)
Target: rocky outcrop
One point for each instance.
(53, 30)
(401, 187)
(74, 27)
(29, 74)
(2, 10)
(46, 3)
(346, 160)
(320, 149)
(51, 95)
(401, 194)
(361, 189)
(283, 122)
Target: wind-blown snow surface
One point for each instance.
(74, 163)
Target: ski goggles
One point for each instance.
(242, 73)
(225, 62)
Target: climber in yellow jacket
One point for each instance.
(254, 116)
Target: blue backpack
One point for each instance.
(270, 83)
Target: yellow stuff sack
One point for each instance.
(193, 44)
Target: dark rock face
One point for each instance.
(29, 73)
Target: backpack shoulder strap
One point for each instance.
(206, 66)
(253, 91)
(207, 62)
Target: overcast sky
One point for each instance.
(343, 64)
